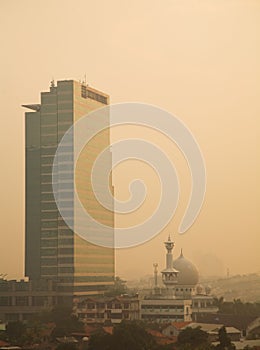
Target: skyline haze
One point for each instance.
(197, 60)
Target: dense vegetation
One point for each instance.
(126, 336)
(237, 307)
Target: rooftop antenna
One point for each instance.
(52, 87)
(85, 79)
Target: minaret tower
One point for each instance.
(169, 274)
(155, 265)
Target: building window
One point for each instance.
(48, 252)
(66, 260)
(50, 270)
(49, 243)
(49, 234)
(49, 224)
(66, 269)
(66, 250)
(100, 305)
(83, 91)
(21, 301)
(117, 316)
(22, 286)
(12, 317)
(49, 262)
(38, 301)
(5, 301)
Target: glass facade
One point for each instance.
(53, 250)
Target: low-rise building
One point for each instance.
(20, 300)
(165, 310)
(202, 304)
(253, 329)
(105, 310)
(213, 329)
(174, 329)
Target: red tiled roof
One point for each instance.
(90, 329)
(166, 341)
(108, 329)
(155, 333)
(160, 338)
(3, 343)
(180, 325)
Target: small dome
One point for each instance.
(199, 289)
(188, 273)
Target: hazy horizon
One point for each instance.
(199, 60)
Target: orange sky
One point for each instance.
(197, 59)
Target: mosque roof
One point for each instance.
(188, 273)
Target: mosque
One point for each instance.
(182, 299)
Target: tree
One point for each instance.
(16, 332)
(65, 322)
(66, 346)
(224, 340)
(126, 336)
(218, 302)
(193, 338)
(132, 336)
(100, 341)
(118, 288)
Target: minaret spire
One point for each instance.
(169, 274)
(155, 265)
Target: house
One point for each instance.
(212, 330)
(253, 329)
(173, 329)
(160, 338)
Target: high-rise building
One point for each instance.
(52, 249)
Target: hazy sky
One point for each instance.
(197, 59)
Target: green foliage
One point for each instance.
(237, 307)
(16, 332)
(118, 288)
(224, 340)
(126, 336)
(192, 338)
(66, 346)
(218, 302)
(99, 341)
(66, 323)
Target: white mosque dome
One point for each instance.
(188, 273)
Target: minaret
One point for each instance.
(169, 274)
(155, 265)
